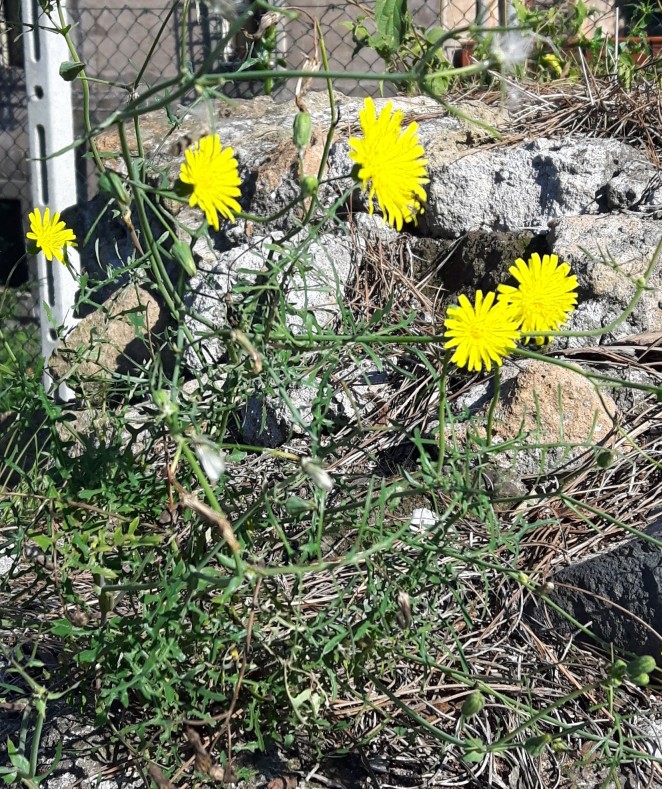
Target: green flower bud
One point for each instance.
(618, 669)
(645, 664)
(303, 129)
(162, 401)
(605, 458)
(309, 185)
(297, 506)
(182, 253)
(640, 679)
(536, 745)
(473, 704)
(111, 183)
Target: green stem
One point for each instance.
(493, 404)
(36, 738)
(442, 410)
(209, 493)
(64, 31)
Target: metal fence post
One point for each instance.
(50, 128)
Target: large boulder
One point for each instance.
(522, 186)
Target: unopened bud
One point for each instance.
(536, 745)
(404, 611)
(211, 457)
(111, 183)
(473, 704)
(242, 340)
(297, 506)
(303, 129)
(644, 664)
(320, 476)
(309, 185)
(605, 458)
(168, 408)
(182, 253)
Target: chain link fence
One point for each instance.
(115, 39)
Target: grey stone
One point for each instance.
(5, 563)
(260, 134)
(607, 253)
(313, 291)
(522, 186)
(631, 186)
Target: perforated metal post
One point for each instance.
(50, 127)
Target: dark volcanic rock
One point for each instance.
(630, 577)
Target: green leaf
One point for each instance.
(390, 20)
(69, 70)
(475, 751)
(17, 759)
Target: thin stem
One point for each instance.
(493, 404)
(64, 31)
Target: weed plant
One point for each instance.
(201, 598)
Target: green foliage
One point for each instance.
(184, 578)
(404, 46)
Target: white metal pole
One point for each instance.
(51, 129)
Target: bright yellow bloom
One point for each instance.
(391, 159)
(213, 173)
(50, 234)
(545, 295)
(481, 334)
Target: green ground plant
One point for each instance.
(202, 599)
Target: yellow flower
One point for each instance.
(50, 234)
(545, 295)
(551, 63)
(213, 173)
(481, 334)
(391, 159)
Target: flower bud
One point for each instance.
(309, 185)
(473, 704)
(303, 129)
(403, 617)
(605, 458)
(641, 680)
(534, 746)
(645, 664)
(168, 409)
(182, 253)
(297, 506)
(320, 476)
(211, 458)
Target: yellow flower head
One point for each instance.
(545, 295)
(50, 234)
(213, 173)
(391, 159)
(481, 334)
